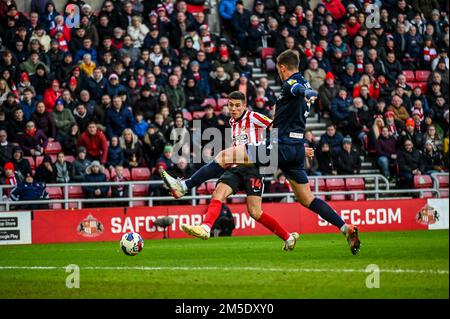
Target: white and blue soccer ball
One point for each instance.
(131, 244)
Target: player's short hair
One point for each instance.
(237, 95)
(290, 59)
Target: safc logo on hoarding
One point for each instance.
(90, 227)
(427, 215)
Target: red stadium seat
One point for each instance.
(423, 86)
(337, 197)
(75, 192)
(210, 101)
(428, 195)
(187, 116)
(355, 184)
(69, 158)
(221, 102)
(53, 148)
(320, 182)
(335, 184)
(267, 53)
(443, 181)
(198, 115)
(140, 190)
(38, 160)
(54, 192)
(443, 194)
(202, 189)
(422, 181)
(422, 75)
(54, 157)
(240, 200)
(140, 174)
(410, 77)
(56, 206)
(359, 196)
(140, 203)
(31, 161)
(126, 174)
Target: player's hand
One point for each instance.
(311, 100)
(309, 152)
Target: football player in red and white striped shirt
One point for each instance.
(247, 127)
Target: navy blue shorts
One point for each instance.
(291, 159)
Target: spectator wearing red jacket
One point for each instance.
(51, 94)
(352, 26)
(335, 8)
(33, 141)
(95, 143)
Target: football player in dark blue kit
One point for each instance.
(292, 109)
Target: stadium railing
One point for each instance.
(380, 191)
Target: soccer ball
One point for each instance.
(131, 244)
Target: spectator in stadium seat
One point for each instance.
(10, 177)
(166, 157)
(154, 142)
(113, 87)
(350, 78)
(339, 107)
(33, 141)
(137, 31)
(95, 173)
(332, 138)
(336, 8)
(21, 164)
(175, 93)
(63, 169)
(386, 151)
(96, 84)
(179, 133)
(87, 48)
(327, 92)
(51, 95)
(432, 159)
(95, 143)
(194, 97)
(393, 67)
(119, 190)
(220, 83)
(432, 136)
(240, 22)
(29, 190)
(44, 121)
(82, 116)
(314, 75)
(17, 124)
(279, 185)
(132, 150)
(28, 103)
(410, 162)
(359, 121)
(6, 148)
(118, 118)
(63, 120)
(400, 111)
(348, 159)
(182, 169)
(410, 133)
(79, 165)
(46, 172)
(326, 160)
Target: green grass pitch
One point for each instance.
(413, 265)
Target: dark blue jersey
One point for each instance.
(292, 109)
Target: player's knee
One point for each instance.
(254, 212)
(219, 194)
(221, 158)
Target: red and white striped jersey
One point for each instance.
(249, 129)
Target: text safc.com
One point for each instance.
(370, 216)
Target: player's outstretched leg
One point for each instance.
(203, 231)
(233, 155)
(254, 204)
(320, 207)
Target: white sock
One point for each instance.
(206, 227)
(183, 184)
(344, 229)
(290, 237)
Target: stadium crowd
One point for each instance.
(111, 90)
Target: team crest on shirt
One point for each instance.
(292, 82)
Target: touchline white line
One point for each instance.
(261, 269)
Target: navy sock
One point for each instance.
(324, 210)
(206, 172)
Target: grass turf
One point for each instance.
(287, 278)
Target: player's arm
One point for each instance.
(302, 89)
